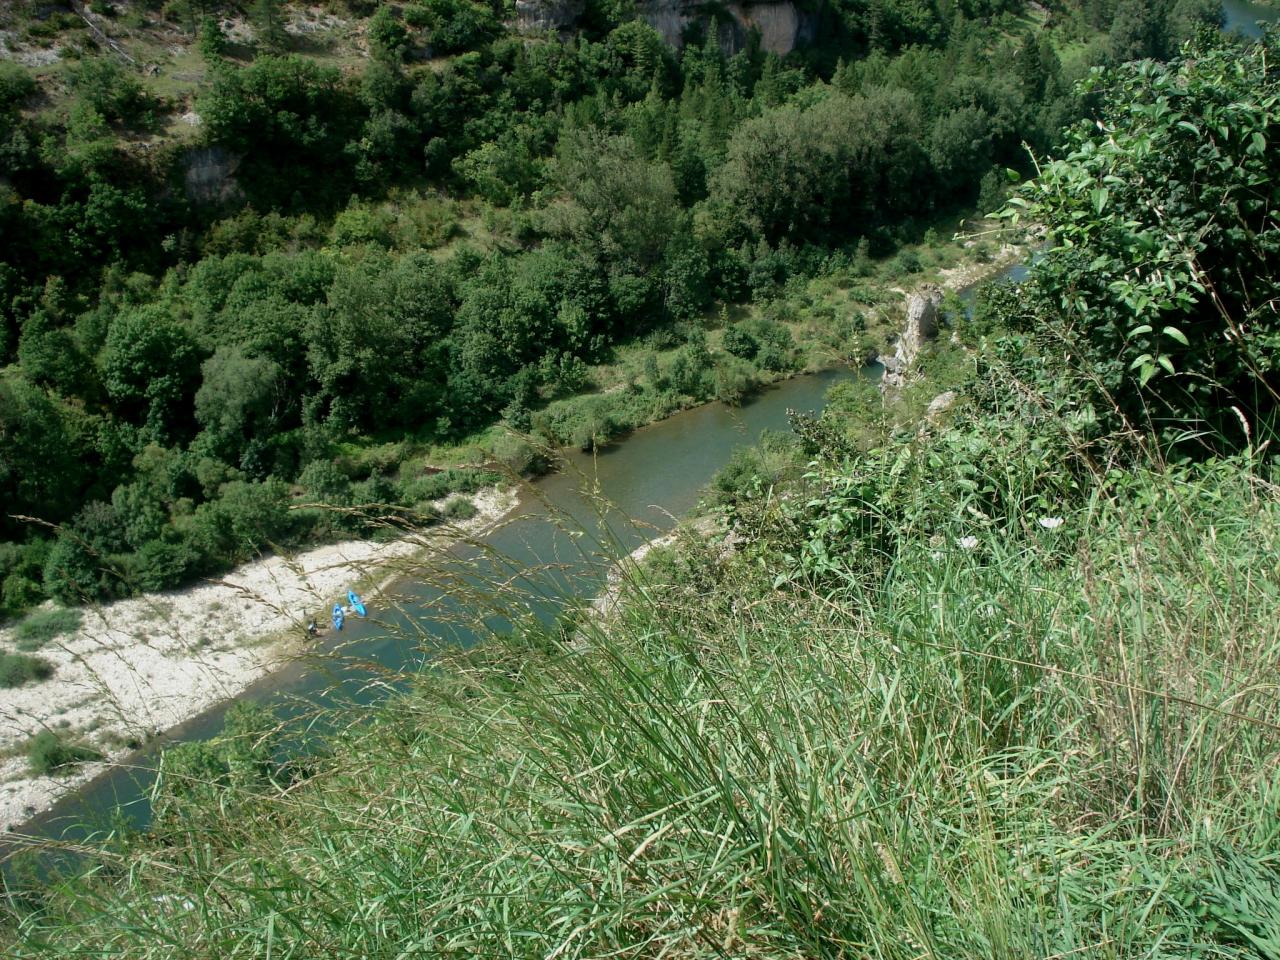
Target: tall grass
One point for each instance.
(1059, 744)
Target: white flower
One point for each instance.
(967, 543)
(1051, 523)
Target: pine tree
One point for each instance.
(268, 22)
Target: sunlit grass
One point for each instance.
(1059, 743)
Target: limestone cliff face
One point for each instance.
(534, 16)
(923, 311)
(781, 25)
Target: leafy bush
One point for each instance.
(45, 625)
(735, 380)
(76, 573)
(18, 592)
(111, 89)
(449, 26)
(459, 508)
(434, 486)
(17, 669)
(48, 753)
(1167, 249)
(16, 85)
(739, 342)
(162, 565)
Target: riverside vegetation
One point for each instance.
(997, 684)
(463, 232)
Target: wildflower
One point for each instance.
(1051, 523)
(967, 543)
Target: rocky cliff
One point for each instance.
(923, 314)
(782, 27)
(534, 16)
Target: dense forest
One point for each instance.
(179, 370)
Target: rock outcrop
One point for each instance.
(781, 24)
(210, 176)
(940, 405)
(923, 313)
(534, 16)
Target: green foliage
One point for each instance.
(459, 508)
(739, 342)
(387, 37)
(1167, 242)
(450, 26)
(213, 43)
(111, 89)
(291, 117)
(149, 367)
(196, 778)
(16, 86)
(44, 454)
(17, 669)
(267, 17)
(245, 518)
(48, 754)
(44, 626)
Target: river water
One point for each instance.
(554, 549)
(1242, 16)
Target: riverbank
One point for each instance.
(144, 665)
(138, 667)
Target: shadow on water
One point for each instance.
(552, 551)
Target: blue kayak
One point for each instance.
(353, 598)
(338, 616)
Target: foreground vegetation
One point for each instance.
(445, 235)
(999, 684)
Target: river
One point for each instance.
(555, 548)
(1242, 16)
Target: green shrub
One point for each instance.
(907, 261)
(44, 625)
(17, 669)
(1165, 273)
(111, 89)
(47, 753)
(739, 342)
(735, 380)
(459, 508)
(322, 480)
(75, 573)
(435, 486)
(161, 565)
(449, 26)
(18, 592)
(16, 85)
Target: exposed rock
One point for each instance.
(210, 176)
(782, 26)
(940, 405)
(921, 326)
(537, 15)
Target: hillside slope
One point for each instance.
(999, 685)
